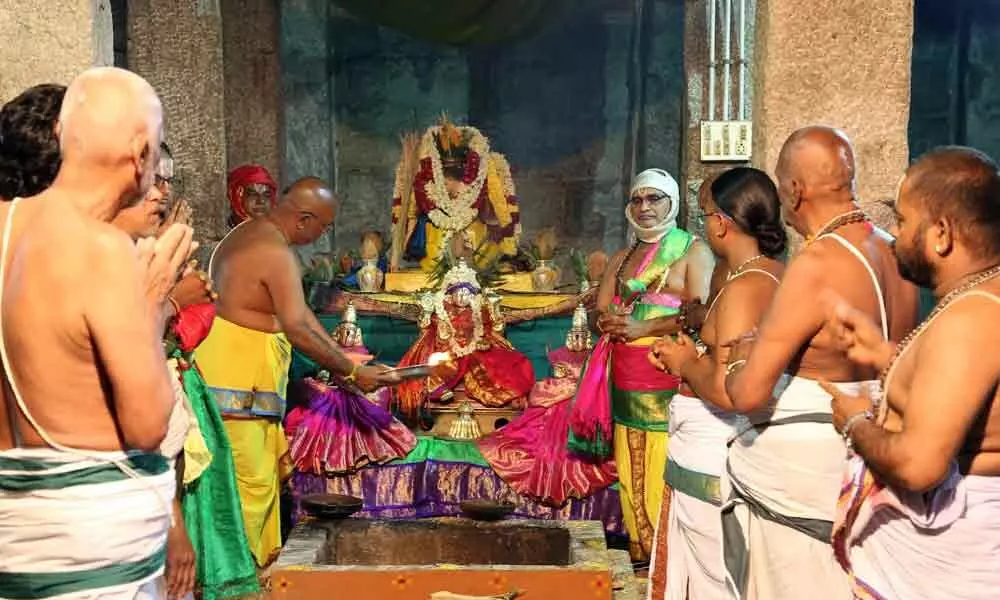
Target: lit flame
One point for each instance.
(438, 358)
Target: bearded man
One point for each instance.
(920, 509)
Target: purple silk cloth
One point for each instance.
(435, 489)
(339, 432)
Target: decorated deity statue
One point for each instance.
(348, 334)
(464, 321)
(448, 184)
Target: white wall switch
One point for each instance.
(726, 141)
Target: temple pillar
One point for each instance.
(253, 83)
(52, 45)
(177, 47)
(843, 63)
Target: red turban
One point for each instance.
(239, 179)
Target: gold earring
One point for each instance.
(939, 250)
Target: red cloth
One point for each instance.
(632, 371)
(239, 179)
(192, 324)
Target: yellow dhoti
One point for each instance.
(640, 396)
(640, 457)
(247, 373)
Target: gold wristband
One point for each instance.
(353, 375)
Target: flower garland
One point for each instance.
(454, 214)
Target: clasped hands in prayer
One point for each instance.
(170, 277)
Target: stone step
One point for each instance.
(623, 580)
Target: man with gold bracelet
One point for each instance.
(261, 314)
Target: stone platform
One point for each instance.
(411, 560)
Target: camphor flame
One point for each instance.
(442, 365)
(438, 358)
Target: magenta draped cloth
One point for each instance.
(530, 454)
(340, 432)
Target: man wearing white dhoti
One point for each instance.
(742, 222)
(783, 471)
(86, 396)
(920, 511)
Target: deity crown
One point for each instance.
(452, 142)
(461, 275)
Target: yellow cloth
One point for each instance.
(245, 370)
(497, 179)
(640, 517)
(260, 453)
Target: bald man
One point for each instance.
(784, 474)
(84, 493)
(261, 314)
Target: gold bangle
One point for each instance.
(177, 307)
(354, 374)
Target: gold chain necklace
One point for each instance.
(971, 281)
(735, 272)
(855, 216)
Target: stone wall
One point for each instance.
(845, 64)
(52, 45)
(956, 78)
(177, 47)
(556, 104)
(252, 75)
(697, 75)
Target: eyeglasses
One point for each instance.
(651, 200)
(703, 218)
(162, 182)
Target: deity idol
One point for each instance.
(464, 321)
(453, 184)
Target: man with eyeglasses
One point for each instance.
(261, 314)
(640, 300)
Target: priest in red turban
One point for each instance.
(252, 193)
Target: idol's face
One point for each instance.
(649, 206)
(911, 246)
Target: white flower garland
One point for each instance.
(450, 214)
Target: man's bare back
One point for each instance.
(816, 186)
(239, 268)
(828, 265)
(945, 351)
(81, 306)
(45, 327)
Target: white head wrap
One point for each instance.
(659, 180)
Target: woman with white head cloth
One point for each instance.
(621, 404)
